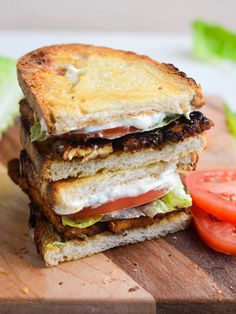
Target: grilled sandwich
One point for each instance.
(105, 134)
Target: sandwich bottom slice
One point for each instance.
(58, 242)
(54, 250)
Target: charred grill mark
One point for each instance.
(175, 132)
(178, 130)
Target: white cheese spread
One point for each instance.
(143, 122)
(167, 180)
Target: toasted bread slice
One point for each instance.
(106, 85)
(55, 251)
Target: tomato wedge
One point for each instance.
(126, 202)
(107, 134)
(218, 235)
(215, 192)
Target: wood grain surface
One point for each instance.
(178, 274)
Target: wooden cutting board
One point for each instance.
(178, 274)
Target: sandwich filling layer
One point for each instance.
(60, 149)
(116, 221)
(119, 191)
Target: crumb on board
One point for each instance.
(25, 289)
(3, 271)
(20, 251)
(109, 280)
(60, 283)
(133, 289)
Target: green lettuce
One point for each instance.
(80, 223)
(167, 120)
(36, 133)
(157, 207)
(231, 120)
(178, 197)
(212, 41)
(10, 93)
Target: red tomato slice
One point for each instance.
(215, 192)
(218, 235)
(125, 202)
(116, 132)
(107, 134)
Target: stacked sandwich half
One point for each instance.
(104, 135)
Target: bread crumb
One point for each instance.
(3, 271)
(25, 289)
(108, 280)
(133, 289)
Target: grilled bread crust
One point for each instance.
(112, 85)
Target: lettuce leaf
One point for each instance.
(36, 133)
(231, 120)
(10, 93)
(176, 198)
(167, 121)
(156, 207)
(212, 41)
(80, 223)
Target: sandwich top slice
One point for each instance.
(82, 91)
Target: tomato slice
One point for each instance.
(107, 134)
(125, 202)
(218, 235)
(215, 192)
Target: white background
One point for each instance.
(160, 29)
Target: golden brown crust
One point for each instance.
(122, 225)
(44, 67)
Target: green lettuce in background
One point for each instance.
(10, 93)
(212, 41)
(231, 120)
